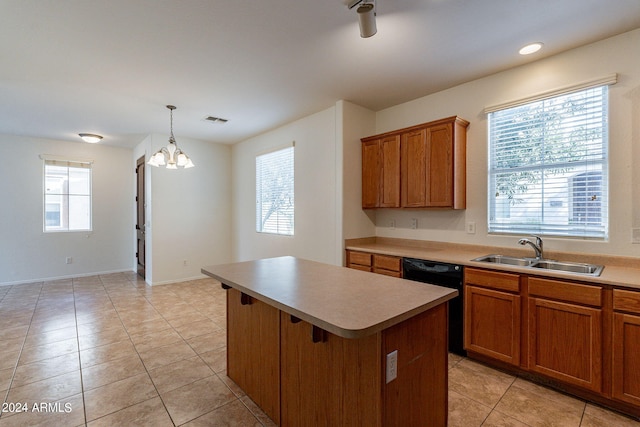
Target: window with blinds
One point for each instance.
(274, 192)
(548, 166)
(67, 195)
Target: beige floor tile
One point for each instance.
(147, 326)
(59, 322)
(13, 332)
(150, 413)
(477, 382)
(144, 342)
(165, 355)
(48, 390)
(5, 380)
(208, 342)
(12, 344)
(112, 371)
(9, 359)
(216, 359)
(257, 412)
(178, 374)
(595, 416)
(118, 395)
(196, 399)
(66, 412)
(454, 359)
(47, 368)
(537, 405)
(465, 412)
(202, 327)
(104, 353)
(104, 337)
(47, 337)
(185, 318)
(47, 351)
(498, 419)
(233, 414)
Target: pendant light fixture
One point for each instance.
(171, 155)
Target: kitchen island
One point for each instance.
(316, 344)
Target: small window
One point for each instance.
(548, 166)
(274, 192)
(67, 195)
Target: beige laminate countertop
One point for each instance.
(618, 271)
(346, 302)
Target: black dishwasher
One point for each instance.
(448, 276)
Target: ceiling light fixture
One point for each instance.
(530, 48)
(91, 138)
(366, 17)
(171, 155)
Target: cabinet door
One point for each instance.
(440, 166)
(253, 350)
(390, 173)
(626, 358)
(565, 342)
(371, 174)
(414, 169)
(492, 323)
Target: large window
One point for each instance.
(548, 166)
(274, 192)
(67, 195)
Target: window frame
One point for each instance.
(260, 221)
(584, 168)
(66, 193)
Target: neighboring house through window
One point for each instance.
(67, 195)
(275, 192)
(548, 161)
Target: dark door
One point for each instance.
(140, 221)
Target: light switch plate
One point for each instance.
(471, 227)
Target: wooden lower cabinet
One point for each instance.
(492, 314)
(626, 346)
(377, 263)
(565, 332)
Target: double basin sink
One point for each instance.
(544, 264)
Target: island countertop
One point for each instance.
(346, 302)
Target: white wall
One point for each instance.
(188, 211)
(316, 232)
(29, 254)
(615, 55)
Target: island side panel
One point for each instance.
(253, 351)
(418, 396)
(335, 382)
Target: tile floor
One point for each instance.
(109, 350)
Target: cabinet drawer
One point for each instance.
(387, 262)
(360, 258)
(563, 291)
(626, 301)
(492, 279)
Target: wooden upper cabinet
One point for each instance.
(422, 166)
(381, 172)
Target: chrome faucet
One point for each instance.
(537, 246)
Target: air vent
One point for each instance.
(216, 119)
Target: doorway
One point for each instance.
(140, 216)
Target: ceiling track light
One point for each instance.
(171, 155)
(366, 17)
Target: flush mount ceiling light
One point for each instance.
(366, 16)
(171, 155)
(530, 48)
(91, 138)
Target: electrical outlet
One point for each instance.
(392, 366)
(392, 223)
(68, 260)
(635, 235)
(185, 263)
(471, 227)
(414, 223)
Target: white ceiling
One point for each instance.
(110, 67)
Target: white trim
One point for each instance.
(610, 79)
(276, 148)
(66, 277)
(64, 159)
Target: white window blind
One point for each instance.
(67, 195)
(548, 166)
(274, 192)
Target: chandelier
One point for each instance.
(171, 155)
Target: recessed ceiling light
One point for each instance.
(90, 137)
(530, 48)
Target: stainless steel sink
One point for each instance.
(503, 259)
(560, 266)
(570, 267)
